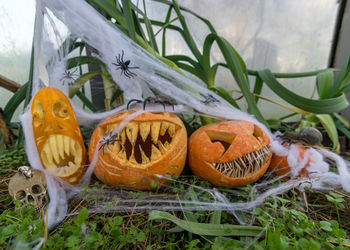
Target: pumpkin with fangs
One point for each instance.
(57, 135)
(230, 153)
(149, 145)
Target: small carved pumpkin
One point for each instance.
(229, 154)
(57, 135)
(279, 164)
(150, 144)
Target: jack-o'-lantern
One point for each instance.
(149, 145)
(229, 153)
(57, 135)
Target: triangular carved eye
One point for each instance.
(224, 138)
(258, 134)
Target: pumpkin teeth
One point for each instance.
(66, 140)
(53, 147)
(244, 166)
(155, 131)
(164, 127)
(145, 128)
(122, 154)
(161, 147)
(171, 130)
(132, 130)
(145, 159)
(59, 140)
(156, 154)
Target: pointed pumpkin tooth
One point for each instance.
(78, 154)
(122, 135)
(166, 144)
(132, 130)
(145, 159)
(155, 131)
(122, 154)
(59, 140)
(66, 144)
(161, 147)
(171, 130)
(156, 154)
(145, 128)
(53, 147)
(164, 127)
(132, 157)
(46, 156)
(72, 146)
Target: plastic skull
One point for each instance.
(29, 188)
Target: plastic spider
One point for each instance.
(108, 140)
(124, 66)
(153, 100)
(209, 99)
(68, 76)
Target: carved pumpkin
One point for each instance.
(150, 144)
(57, 135)
(280, 166)
(229, 154)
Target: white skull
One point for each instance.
(29, 189)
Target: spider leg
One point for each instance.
(132, 100)
(170, 104)
(133, 67)
(122, 55)
(129, 73)
(145, 102)
(116, 64)
(163, 103)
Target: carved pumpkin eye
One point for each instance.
(38, 113)
(151, 144)
(60, 109)
(229, 154)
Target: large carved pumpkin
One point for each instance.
(57, 135)
(150, 144)
(229, 154)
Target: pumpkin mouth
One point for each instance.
(142, 143)
(246, 165)
(60, 151)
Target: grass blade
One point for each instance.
(86, 101)
(78, 83)
(328, 123)
(324, 83)
(206, 228)
(129, 19)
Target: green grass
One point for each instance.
(287, 221)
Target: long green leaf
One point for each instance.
(206, 228)
(110, 9)
(86, 101)
(14, 102)
(342, 79)
(257, 87)
(324, 83)
(328, 123)
(129, 19)
(224, 94)
(323, 106)
(149, 29)
(78, 83)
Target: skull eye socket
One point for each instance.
(20, 195)
(36, 189)
(60, 109)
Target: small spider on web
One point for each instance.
(124, 66)
(208, 99)
(152, 100)
(108, 140)
(68, 77)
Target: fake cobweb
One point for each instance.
(58, 25)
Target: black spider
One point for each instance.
(108, 140)
(124, 66)
(153, 100)
(68, 76)
(209, 99)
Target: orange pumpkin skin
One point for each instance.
(57, 134)
(223, 144)
(121, 164)
(279, 164)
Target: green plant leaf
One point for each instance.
(224, 94)
(323, 106)
(14, 102)
(86, 101)
(324, 82)
(129, 19)
(328, 123)
(206, 228)
(78, 83)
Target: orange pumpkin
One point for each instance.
(229, 154)
(57, 134)
(279, 164)
(150, 144)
